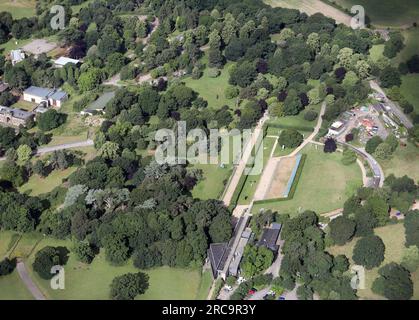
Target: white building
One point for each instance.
(63, 61)
(52, 97)
(336, 128)
(17, 56)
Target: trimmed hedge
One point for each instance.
(293, 187)
(243, 178)
(285, 126)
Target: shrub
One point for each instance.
(369, 251)
(310, 115)
(128, 286)
(213, 72)
(290, 138)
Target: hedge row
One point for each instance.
(243, 178)
(293, 187)
(286, 126)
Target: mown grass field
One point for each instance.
(411, 42)
(212, 89)
(409, 89)
(324, 185)
(393, 237)
(12, 288)
(212, 185)
(403, 162)
(386, 12)
(18, 8)
(37, 185)
(89, 282)
(252, 181)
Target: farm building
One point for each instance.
(63, 61)
(37, 95)
(14, 117)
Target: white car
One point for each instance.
(228, 288)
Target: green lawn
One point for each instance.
(403, 162)
(87, 282)
(212, 185)
(37, 185)
(294, 121)
(376, 51)
(12, 288)
(252, 181)
(324, 185)
(24, 105)
(18, 8)
(7, 240)
(409, 89)
(386, 12)
(205, 285)
(212, 89)
(393, 237)
(411, 42)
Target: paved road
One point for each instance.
(79, 144)
(394, 107)
(30, 285)
(378, 173)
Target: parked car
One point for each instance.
(252, 291)
(228, 288)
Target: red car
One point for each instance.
(251, 291)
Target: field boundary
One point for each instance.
(243, 178)
(294, 184)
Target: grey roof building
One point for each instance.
(39, 92)
(99, 104)
(270, 237)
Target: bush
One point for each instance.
(342, 230)
(369, 251)
(50, 120)
(84, 252)
(348, 157)
(128, 286)
(213, 72)
(231, 92)
(290, 138)
(310, 115)
(7, 266)
(394, 282)
(48, 257)
(372, 144)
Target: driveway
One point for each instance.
(395, 109)
(79, 144)
(30, 285)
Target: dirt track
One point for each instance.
(311, 7)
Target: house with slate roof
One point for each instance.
(53, 97)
